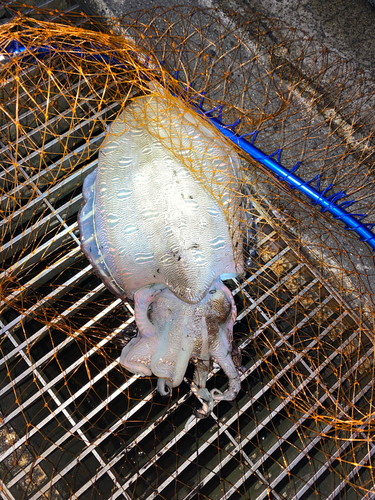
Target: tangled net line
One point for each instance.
(305, 302)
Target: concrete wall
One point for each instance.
(345, 26)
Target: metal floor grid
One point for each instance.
(76, 425)
(239, 445)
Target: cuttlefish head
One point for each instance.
(173, 332)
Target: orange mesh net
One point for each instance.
(75, 423)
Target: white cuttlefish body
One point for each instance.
(161, 225)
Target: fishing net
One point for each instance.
(74, 422)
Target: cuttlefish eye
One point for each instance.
(150, 310)
(161, 309)
(219, 307)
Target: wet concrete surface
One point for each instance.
(345, 26)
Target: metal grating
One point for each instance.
(74, 425)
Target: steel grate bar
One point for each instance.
(326, 285)
(266, 317)
(284, 308)
(92, 449)
(298, 458)
(325, 466)
(57, 292)
(258, 363)
(192, 458)
(328, 427)
(48, 204)
(58, 188)
(5, 493)
(39, 226)
(31, 258)
(49, 355)
(52, 166)
(67, 402)
(266, 420)
(65, 412)
(44, 126)
(370, 495)
(73, 254)
(41, 128)
(211, 374)
(243, 408)
(266, 294)
(39, 334)
(248, 460)
(44, 422)
(104, 435)
(31, 113)
(260, 271)
(142, 436)
(165, 449)
(78, 425)
(352, 473)
(151, 428)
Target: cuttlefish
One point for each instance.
(161, 225)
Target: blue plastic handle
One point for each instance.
(328, 204)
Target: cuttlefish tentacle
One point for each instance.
(137, 354)
(207, 397)
(164, 386)
(198, 387)
(173, 355)
(222, 349)
(203, 365)
(231, 372)
(220, 320)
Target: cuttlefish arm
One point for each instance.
(172, 333)
(219, 319)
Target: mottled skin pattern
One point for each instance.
(171, 334)
(153, 232)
